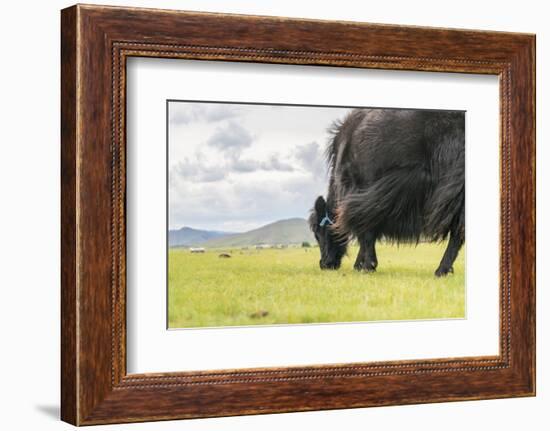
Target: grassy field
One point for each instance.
(257, 287)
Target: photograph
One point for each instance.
(284, 214)
(303, 214)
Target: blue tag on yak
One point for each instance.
(326, 220)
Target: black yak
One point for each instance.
(396, 174)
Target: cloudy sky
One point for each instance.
(236, 167)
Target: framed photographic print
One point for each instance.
(279, 215)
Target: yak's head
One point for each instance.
(332, 247)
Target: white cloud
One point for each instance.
(186, 113)
(231, 139)
(311, 156)
(256, 165)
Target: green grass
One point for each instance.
(205, 290)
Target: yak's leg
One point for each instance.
(366, 258)
(453, 247)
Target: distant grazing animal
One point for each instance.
(396, 174)
(224, 255)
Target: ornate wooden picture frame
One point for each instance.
(96, 41)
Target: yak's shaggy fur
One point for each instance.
(396, 174)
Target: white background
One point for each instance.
(153, 349)
(29, 225)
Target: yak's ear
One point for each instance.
(320, 207)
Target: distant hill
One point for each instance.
(291, 231)
(187, 237)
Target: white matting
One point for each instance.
(153, 348)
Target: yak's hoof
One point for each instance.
(442, 272)
(366, 267)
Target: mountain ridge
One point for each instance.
(188, 236)
(281, 232)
